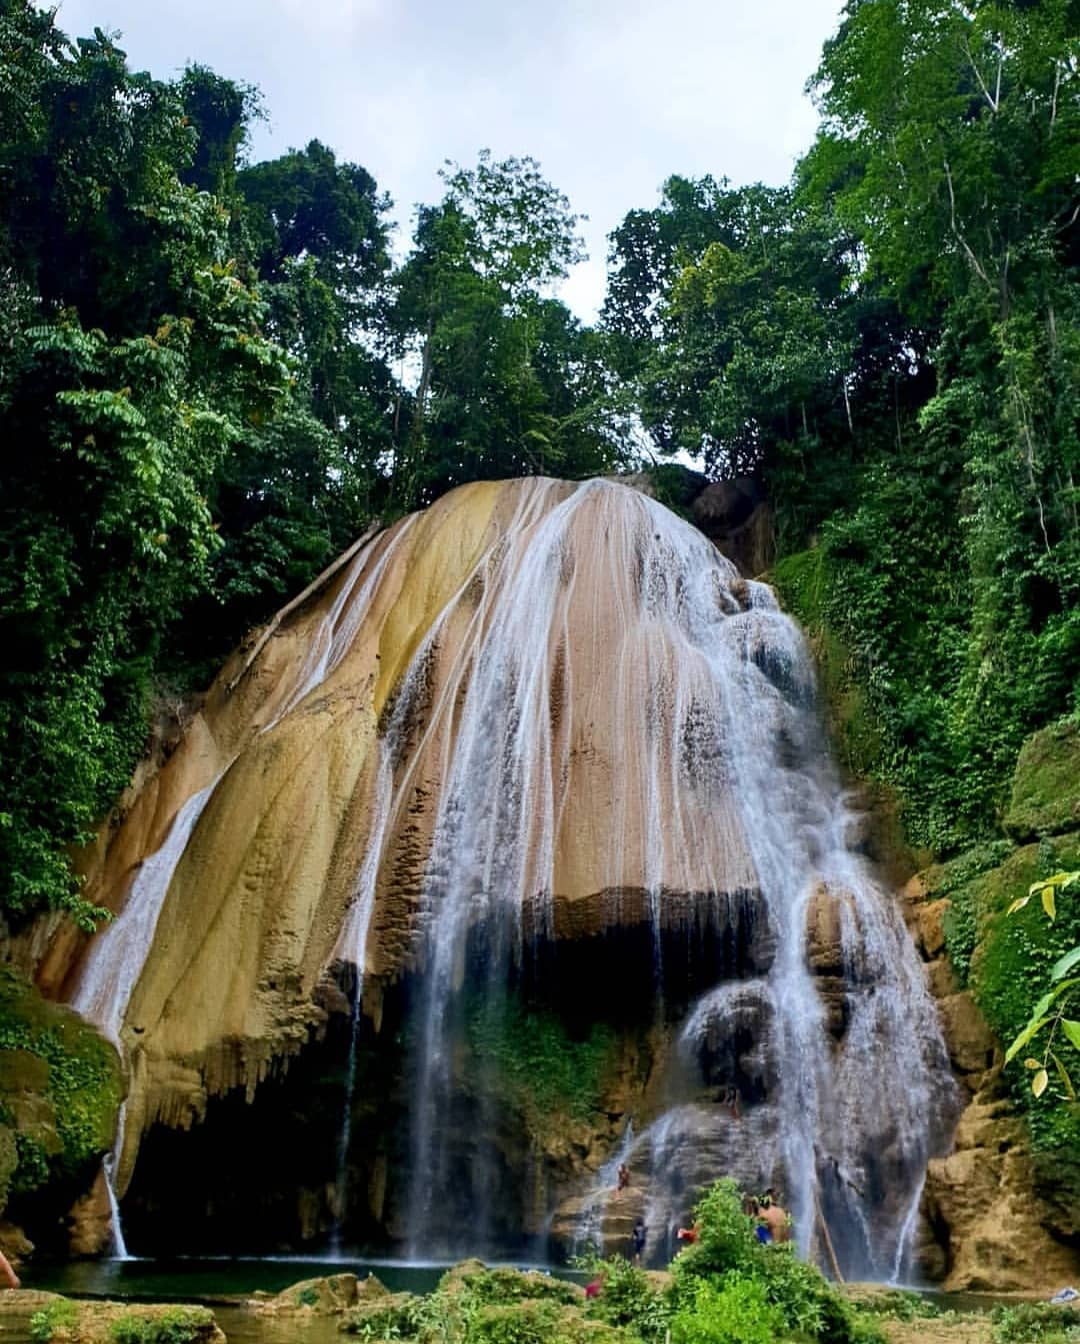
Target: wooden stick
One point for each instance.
(827, 1239)
(313, 587)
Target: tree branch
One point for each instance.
(958, 235)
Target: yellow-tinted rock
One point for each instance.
(257, 911)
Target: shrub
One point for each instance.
(178, 1325)
(629, 1299)
(734, 1311)
(1035, 1323)
(56, 1316)
(515, 1323)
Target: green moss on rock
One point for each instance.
(549, 1076)
(1046, 784)
(61, 1086)
(804, 583)
(63, 1321)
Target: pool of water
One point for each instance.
(221, 1283)
(199, 1279)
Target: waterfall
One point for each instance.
(569, 733)
(726, 786)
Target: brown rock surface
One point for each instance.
(255, 911)
(90, 1221)
(972, 1047)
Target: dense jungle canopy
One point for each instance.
(214, 375)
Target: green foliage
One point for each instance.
(83, 1083)
(804, 1300)
(57, 1316)
(1017, 955)
(307, 1297)
(528, 1323)
(543, 1071)
(734, 1311)
(501, 1286)
(1035, 1323)
(488, 1306)
(900, 1304)
(629, 1300)
(177, 1325)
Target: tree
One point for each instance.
(500, 364)
(133, 364)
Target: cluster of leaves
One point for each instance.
(213, 379)
(58, 1316)
(1049, 1015)
(1035, 1323)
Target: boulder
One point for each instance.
(1046, 784)
(972, 1047)
(333, 1295)
(980, 1200)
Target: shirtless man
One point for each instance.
(775, 1219)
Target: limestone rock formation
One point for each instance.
(994, 1229)
(535, 778)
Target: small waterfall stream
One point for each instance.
(115, 959)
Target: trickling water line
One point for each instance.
(352, 945)
(115, 959)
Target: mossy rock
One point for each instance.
(503, 1285)
(332, 1295)
(61, 1085)
(63, 1321)
(1046, 784)
(22, 1071)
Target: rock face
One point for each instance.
(536, 778)
(995, 1207)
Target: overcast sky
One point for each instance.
(612, 96)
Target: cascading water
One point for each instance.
(572, 725)
(719, 684)
(115, 959)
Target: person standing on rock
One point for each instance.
(623, 1177)
(638, 1235)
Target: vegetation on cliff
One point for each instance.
(60, 1091)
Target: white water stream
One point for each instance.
(720, 684)
(602, 604)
